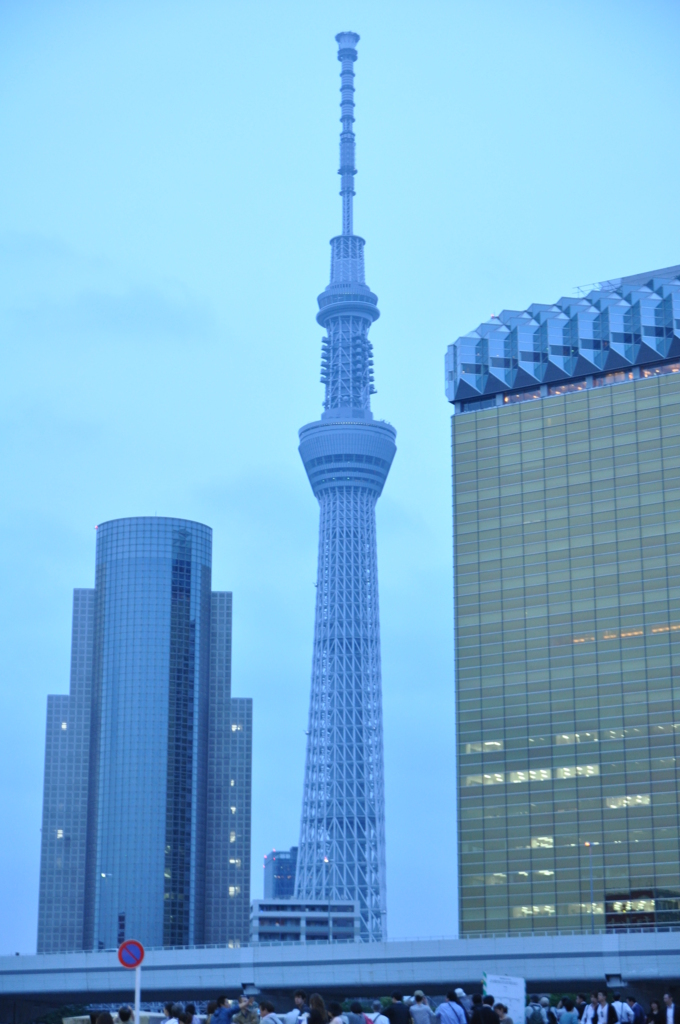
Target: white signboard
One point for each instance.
(512, 992)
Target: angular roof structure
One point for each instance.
(622, 323)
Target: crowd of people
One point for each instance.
(460, 1008)
(456, 1008)
(599, 1009)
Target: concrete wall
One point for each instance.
(549, 963)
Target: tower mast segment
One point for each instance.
(347, 54)
(347, 455)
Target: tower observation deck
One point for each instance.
(347, 455)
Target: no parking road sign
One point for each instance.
(131, 953)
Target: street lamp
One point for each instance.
(326, 887)
(592, 896)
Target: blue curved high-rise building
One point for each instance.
(347, 455)
(148, 758)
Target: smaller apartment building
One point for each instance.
(303, 921)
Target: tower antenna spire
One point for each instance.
(347, 54)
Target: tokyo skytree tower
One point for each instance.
(347, 455)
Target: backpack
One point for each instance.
(536, 1016)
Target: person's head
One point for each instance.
(355, 1007)
(568, 1003)
(167, 1009)
(533, 999)
(602, 998)
(476, 999)
(335, 1010)
(668, 999)
(419, 995)
(460, 992)
(222, 1000)
(242, 1001)
(501, 1010)
(317, 1009)
(124, 1014)
(630, 1000)
(105, 1018)
(176, 1011)
(580, 998)
(266, 1008)
(488, 1000)
(593, 998)
(212, 1006)
(452, 996)
(190, 1008)
(185, 1017)
(377, 1006)
(654, 1006)
(545, 1002)
(396, 997)
(300, 998)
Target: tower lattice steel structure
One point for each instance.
(347, 456)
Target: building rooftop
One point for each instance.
(620, 324)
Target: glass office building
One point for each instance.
(566, 499)
(140, 787)
(67, 765)
(230, 758)
(279, 873)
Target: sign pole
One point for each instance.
(130, 955)
(138, 993)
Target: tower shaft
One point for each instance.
(347, 456)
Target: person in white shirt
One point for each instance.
(670, 1008)
(378, 1017)
(606, 1014)
(590, 1012)
(623, 1010)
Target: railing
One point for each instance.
(389, 942)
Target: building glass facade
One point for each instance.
(235, 883)
(151, 666)
(230, 744)
(150, 663)
(567, 629)
(55, 842)
(279, 873)
(64, 830)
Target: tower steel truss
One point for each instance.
(347, 456)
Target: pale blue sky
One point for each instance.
(167, 191)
